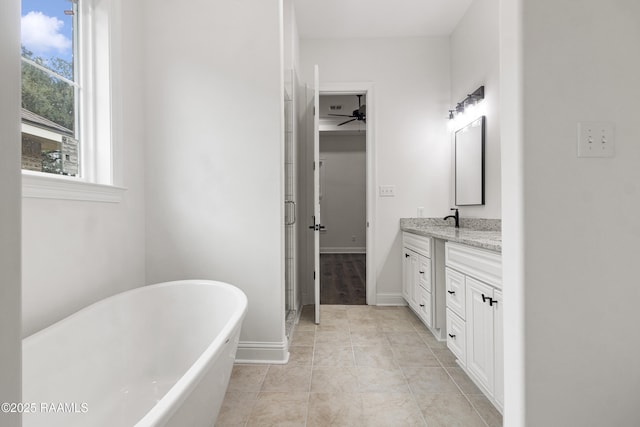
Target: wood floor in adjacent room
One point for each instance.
(343, 279)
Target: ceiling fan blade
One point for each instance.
(348, 121)
(341, 115)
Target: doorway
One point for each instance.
(343, 179)
(309, 160)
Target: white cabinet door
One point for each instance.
(455, 297)
(479, 324)
(410, 279)
(498, 387)
(407, 276)
(414, 291)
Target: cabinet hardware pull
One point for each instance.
(406, 255)
(421, 272)
(421, 305)
(452, 336)
(451, 292)
(491, 300)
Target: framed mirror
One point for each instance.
(469, 164)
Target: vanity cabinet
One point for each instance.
(474, 315)
(417, 276)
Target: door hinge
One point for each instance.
(314, 275)
(314, 165)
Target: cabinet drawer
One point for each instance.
(424, 307)
(479, 263)
(416, 243)
(454, 283)
(456, 336)
(424, 273)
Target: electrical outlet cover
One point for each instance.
(596, 139)
(387, 191)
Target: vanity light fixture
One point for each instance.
(472, 99)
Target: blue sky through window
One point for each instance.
(46, 30)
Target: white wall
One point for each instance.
(411, 84)
(513, 218)
(475, 54)
(343, 187)
(291, 39)
(76, 252)
(581, 223)
(214, 181)
(10, 339)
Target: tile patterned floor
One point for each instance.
(363, 366)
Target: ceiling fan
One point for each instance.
(360, 114)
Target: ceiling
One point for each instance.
(378, 18)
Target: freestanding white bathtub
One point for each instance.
(159, 355)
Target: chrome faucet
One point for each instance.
(456, 217)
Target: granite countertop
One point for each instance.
(481, 233)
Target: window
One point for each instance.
(50, 87)
(70, 133)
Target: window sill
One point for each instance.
(41, 186)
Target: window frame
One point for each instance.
(97, 98)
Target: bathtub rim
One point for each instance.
(182, 388)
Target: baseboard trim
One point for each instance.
(274, 353)
(390, 299)
(346, 250)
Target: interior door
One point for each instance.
(316, 192)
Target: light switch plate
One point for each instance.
(387, 191)
(596, 139)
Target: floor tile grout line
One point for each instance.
(467, 397)
(306, 418)
(451, 377)
(413, 395)
(255, 402)
(253, 405)
(478, 412)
